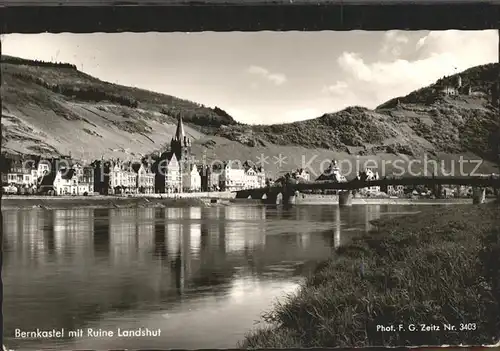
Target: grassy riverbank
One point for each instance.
(56, 202)
(440, 266)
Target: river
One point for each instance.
(201, 276)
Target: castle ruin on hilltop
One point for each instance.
(454, 89)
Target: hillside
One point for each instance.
(51, 108)
(411, 125)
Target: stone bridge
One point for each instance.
(285, 192)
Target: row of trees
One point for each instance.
(201, 116)
(87, 93)
(38, 63)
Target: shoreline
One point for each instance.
(385, 201)
(65, 202)
(438, 267)
(13, 202)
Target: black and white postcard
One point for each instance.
(250, 189)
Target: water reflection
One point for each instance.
(122, 223)
(336, 238)
(77, 267)
(144, 233)
(371, 213)
(195, 230)
(245, 228)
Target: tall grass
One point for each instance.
(439, 267)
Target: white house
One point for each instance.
(42, 168)
(173, 176)
(250, 179)
(369, 174)
(145, 178)
(302, 175)
(76, 180)
(122, 177)
(395, 190)
(232, 176)
(129, 178)
(116, 177)
(191, 180)
(66, 182)
(254, 177)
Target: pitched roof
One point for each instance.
(335, 177)
(233, 165)
(136, 166)
(88, 171)
(20, 166)
(47, 179)
(193, 167)
(67, 174)
(179, 132)
(172, 162)
(368, 174)
(332, 173)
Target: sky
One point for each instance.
(268, 77)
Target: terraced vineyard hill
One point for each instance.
(51, 109)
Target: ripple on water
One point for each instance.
(399, 213)
(294, 227)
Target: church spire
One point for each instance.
(179, 133)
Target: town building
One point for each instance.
(170, 165)
(367, 175)
(113, 177)
(213, 178)
(65, 182)
(116, 177)
(45, 170)
(332, 173)
(145, 177)
(67, 178)
(191, 181)
(254, 176)
(173, 176)
(42, 167)
(102, 179)
(301, 175)
(396, 190)
(462, 191)
(232, 176)
(250, 180)
(85, 179)
(128, 177)
(17, 174)
(206, 178)
(261, 177)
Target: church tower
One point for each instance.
(180, 145)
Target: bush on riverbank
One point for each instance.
(437, 267)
